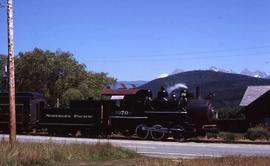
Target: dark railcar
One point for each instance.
(83, 118)
(28, 107)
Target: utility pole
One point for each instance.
(11, 73)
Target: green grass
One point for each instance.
(103, 155)
(49, 154)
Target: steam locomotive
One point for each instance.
(126, 111)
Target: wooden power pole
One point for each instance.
(11, 69)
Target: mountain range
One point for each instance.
(247, 72)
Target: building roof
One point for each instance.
(252, 93)
(109, 92)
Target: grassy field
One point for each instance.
(147, 161)
(103, 154)
(50, 154)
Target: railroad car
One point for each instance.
(28, 107)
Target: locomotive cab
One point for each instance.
(129, 102)
(128, 108)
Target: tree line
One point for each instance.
(57, 75)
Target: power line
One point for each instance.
(182, 53)
(146, 58)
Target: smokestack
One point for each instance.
(198, 92)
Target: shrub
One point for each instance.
(212, 135)
(257, 133)
(229, 137)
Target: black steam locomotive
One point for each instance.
(126, 111)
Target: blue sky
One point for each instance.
(141, 39)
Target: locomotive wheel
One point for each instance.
(142, 134)
(157, 135)
(179, 135)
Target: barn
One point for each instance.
(256, 105)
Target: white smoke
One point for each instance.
(176, 86)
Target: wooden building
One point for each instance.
(256, 105)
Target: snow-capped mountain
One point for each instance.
(216, 69)
(257, 73)
(163, 75)
(247, 72)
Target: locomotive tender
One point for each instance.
(126, 111)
